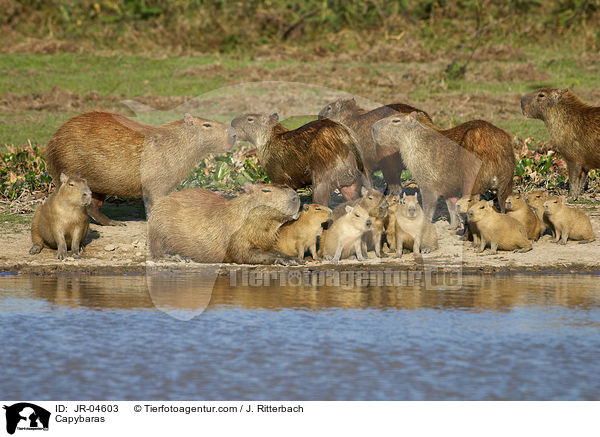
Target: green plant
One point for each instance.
(23, 170)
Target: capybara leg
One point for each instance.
(76, 243)
(417, 246)
(35, 249)
(38, 243)
(94, 212)
(587, 241)
(429, 202)
(338, 254)
(523, 249)
(61, 244)
(481, 246)
(300, 251)
(493, 248)
(503, 193)
(377, 242)
(351, 192)
(575, 179)
(399, 244)
(321, 193)
(391, 167)
(452, 211)
(313, 250)
(563, 238)
(358, 250)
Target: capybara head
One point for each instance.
(538, 103)
(74, 191)
(480, 210)
(553, 204)
(536, 198)
(339, 109)
(464, 203)
(409, 206)
(374, 202)
(255, 128)
(393, 200)
(279, 197)
(514, 202)
(387, 129)
(317, 213)
(214, 136)
(359, 218)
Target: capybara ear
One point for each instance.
(349, 209)
(404, 195)
(275, 116)
(188, 119)
(63, 178)
(305, 207)
(363, 191)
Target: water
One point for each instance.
(519, 337)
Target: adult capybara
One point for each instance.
(535, 199)
(569, 223)
(322, 153)
(344, 236)
(498, 230)
(517, 208)
(199, 224)
(470, 158)
(61, 222)
(360, 122)
(574, 127)
(254, 242)
(296, 237)
(121, 157)
(413, 230)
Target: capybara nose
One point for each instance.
(368, 222)
(231, 136)
(523, 103)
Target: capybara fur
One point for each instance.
(574, 128)
(463, 204)
(198, 224)
(389, 222)
(499, 231)
(61, 222)
(535, 200)
(360, 122)
(296, 237)
(255, 241)
(517, 208)
(413, 230)
(569, 223)
(344, 236)
(121, 157)
(322, 153)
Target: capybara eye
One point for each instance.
(207, 125)
(71, 184)
(317, 209)
(396, 120)
(556, 201)
(370, 197)
(481, 207)
(329, 108)
(250, 119)
(541, 95)
(538, 196)
(266, 191)
(356, 215)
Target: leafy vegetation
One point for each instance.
(23, 171)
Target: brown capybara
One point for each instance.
(121, 157)
(517, 208)
(295, 238)
(344, 236)
(569, 223)
(574, 127)
(198, 224)
(498, 230)
(360, 122)
(463, 204)
(255, 241)
(535, 200)
(322, 153)
(413, 230)
(389, 222)
(61, 222)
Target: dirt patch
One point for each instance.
(501, 72)
(210, 70)
(498, 52)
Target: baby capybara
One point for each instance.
(463, 204)
(574, 127)
(372, 200)
(344, 236)
(322, 153)
(254, 242)
(198, 224)
(121, 157)
(499, 231)
(535, 200)
(61, 222)
(413, 230)
(569, 223)
(470, 158)
(360, 122)
(517, 208)
(295, 238)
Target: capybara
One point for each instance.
(498, 230)
(322, 153)
(255, 241)
(574, 127)
(360, 122)
(344, 236)
(61, 222)
(389, 222)
(535, 200)
(440, 166)
(413, 230)
(569, 223)
(198, 224)
(463, 204)
(121, 157)
(517, 208)
(295, 238)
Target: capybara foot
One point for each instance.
(586, 241)
(76, 255)
(61, 255)
(35, 249)
(523, 250)
(426, 250)
(562, 242)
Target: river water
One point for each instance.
(502, 337)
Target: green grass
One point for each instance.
(12, 223)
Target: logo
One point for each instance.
(25, 416)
